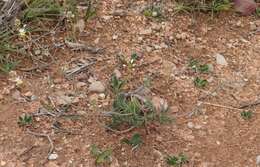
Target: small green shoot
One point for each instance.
(221, 5)
(133, 59)
(196, 66)
(116, 84)
(123, 60)
(25, 120)
(203, 68)
(41, 9)
(257, 11)
(152, 12)
(101, 156)
(200, 83)
(164, 118)
(246, 115)
(90, 12)
(8, 66)
(135, 141)
(177, 161)
(182, 8)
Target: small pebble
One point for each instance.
(190, 125)
(117, 73)
(3, 163)
(221, 59)
(53, 156)
(258, 160)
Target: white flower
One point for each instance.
(18, 81)
(22, 32)
(69, 14)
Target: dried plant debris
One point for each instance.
(79, 67)
(83, 47)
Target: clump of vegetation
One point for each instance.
(116, 84)
(152, 12)
(198, 67)
(246, 115)
(177, 161)
(131, 109)
(258, 12)
(18, 31)
(25, 120)
(200, 83)
(41, 9)
(101, 156)
(131, 63)
(213, 6)
(135, 141)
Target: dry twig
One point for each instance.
(46, 136)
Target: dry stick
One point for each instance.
(250, 105)
(27, 150)
(35, 68)
(221, 106)
(77, 70)
(46, 136)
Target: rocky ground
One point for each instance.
(208, 127)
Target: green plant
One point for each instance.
(164, 118)
(204, 68)
(246, 115)
(90, 12)
(123, 61)
(24, 120)
(220, 5)
(257, 12)
(101, 156)
(7, 66)
(36, 9)
(176, 160)
(130, 111)
(212, 6)
(116, 84)
(182, 7)
(200, 83)
(152, 12)
(133, 59)
(198, 67)
(135, 141)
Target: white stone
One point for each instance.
(221, 59)
(190, 125)
(53, 156)
(258, 160)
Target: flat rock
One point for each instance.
(221, 60)
(145, 31)
(97, 87)
(80, 84)
(168, 68)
